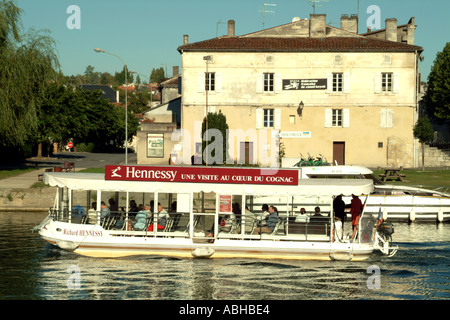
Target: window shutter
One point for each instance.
(377, 88)
(259, 118)
(389, 118)
(218, 81)
(201, 82)
(277, 119)
(396, 85)
(346, 82)
(329, 82)
(277, 83)
(383, 118)
(259, 83)
(328, 117)
(346, 116)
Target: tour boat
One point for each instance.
(397, 203)
(200, 201)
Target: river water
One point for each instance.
(30, 268)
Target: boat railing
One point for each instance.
(317, 228)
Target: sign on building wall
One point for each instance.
(304, 84)
(155, 145)
(295, 134)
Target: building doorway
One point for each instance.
(246, 153)
(339, 152)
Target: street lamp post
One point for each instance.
(126, 99)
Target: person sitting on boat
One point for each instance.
(271, 222)
(140, 221)
(105, 212)
(162, 218)
(262, 217)
(92, 213)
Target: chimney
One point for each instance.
(391, 29)
(349, 23)
(317, 25)
(185, 39)
(231, 28)
(176, 71)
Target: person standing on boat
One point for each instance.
(356, 208)
(339, 209)
(271, 222)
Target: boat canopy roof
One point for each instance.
(96, 181)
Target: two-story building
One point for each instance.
(306, 88)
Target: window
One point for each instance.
(337, 82)
(268, 82)
(268, 118)
(386, 82)
(210, 81)
(336, 120)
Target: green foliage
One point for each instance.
(438, 92)
(215, 121)
(423, 130)
(119, 77)
(157, 75)
(85, 117)
(27, 63)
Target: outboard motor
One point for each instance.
(384, 236)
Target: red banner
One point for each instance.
(202, 175)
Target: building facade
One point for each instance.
(304, 88)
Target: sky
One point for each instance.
(145, 34)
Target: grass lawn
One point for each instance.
(428, 178)
(13, 172)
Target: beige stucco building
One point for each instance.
(307, 88)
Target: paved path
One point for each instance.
(82, 160)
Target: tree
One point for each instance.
(119, 77)
(214, 135)
(27, 63)
(423, 130)
(84, 116)
(157, 75)
(438, 93)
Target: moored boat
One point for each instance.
(397, 203)
(211, 226)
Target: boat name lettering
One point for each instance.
(83, 233)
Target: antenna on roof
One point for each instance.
(217, 27)
(314, 4)
(264, 11)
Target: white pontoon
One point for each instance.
(194, 231)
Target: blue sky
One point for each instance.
(147, 33)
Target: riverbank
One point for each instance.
(19, 192)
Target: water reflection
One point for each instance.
(33, 269)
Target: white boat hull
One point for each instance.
(94, 241)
